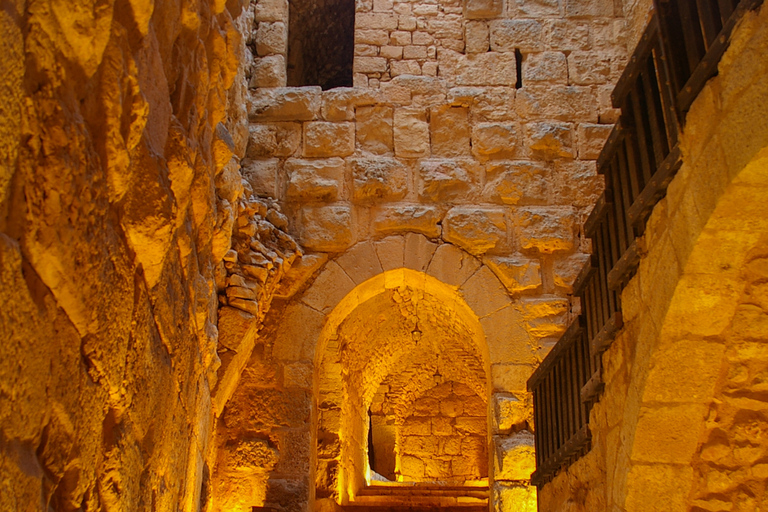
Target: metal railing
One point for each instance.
(678, 52)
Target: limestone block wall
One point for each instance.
(683, 416)
(122, 125)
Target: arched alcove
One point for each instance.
(412, 334)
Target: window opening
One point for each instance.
(321, 36)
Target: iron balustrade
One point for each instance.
(677, 53)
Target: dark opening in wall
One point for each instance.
(321, 38)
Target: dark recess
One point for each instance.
(321, 37)
(519, 68)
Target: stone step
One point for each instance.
(421, 497)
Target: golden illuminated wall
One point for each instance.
(682, 422)
(119, 121)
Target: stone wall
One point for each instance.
(122, 125)
(683, 414)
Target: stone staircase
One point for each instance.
(421, 497)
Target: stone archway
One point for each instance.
(405, 326)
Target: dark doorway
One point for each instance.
(321, 38)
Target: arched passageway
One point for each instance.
(396, 354)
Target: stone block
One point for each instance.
(485, 295)
(261, 175)
(375, 131)
(378, 179)
(538, 8)
(550, 67)
(522, 34)
(339, 104)
(451, 265)
(418, 252)
(406, 217)
(484, 69)
(551, 140)
(323, 139)
(373, 37)
(405, 67)
(544, 317)
(510, 412)
(429, 68)
(400, 38)
(481, 9)
(296, 336)
(284, 104)
(327, 228)
(515, 456)
(589, 8)
(386, 21)
(415, 52)
(514, 497)
(449, 130)
(444, 180)
(268, 71)
(300, 272)
(494, 140)
(365, 50)
(576, 183)
(405, 22)
(446, 27)
(360, 262)
(417, 426)
(422, 38)
(470, 425)
(476, 230)
(412, 467)
(391, 52)
(516, 274)
(592, 138)
(562, 35)
(511, 377)
(546, 229)
(273, 139)
(589, 68)
(411, 133)
(383, 5)
(561, 103)
(271, 10)
(314, 180)
(566, 269)
(516, 183)
(390, 252)
(370, 65)
(271, 39)
(297, 375)
(332, 285)
(476, 37)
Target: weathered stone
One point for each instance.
(378, 179)
(314, 180)
(370, 65)
(509, 35)
(377, 37)
(418, 252)
(485, 295)
(515, 459)
(411, 133)
(268, 72)
(271, 10)
(592, 138)
(587, 8)
(511, 376)
(375, 129)
(588, 68)
(516, 183)
(477, 230)
(339, 104)
(567, 269)
(299, 274)
(517, 274)
(562, 103)
(538, 8)
(441, 180)
(402, 218)
(390, 252)
(274, 139)
(327, 228)
(271, 39)
(489, 68)
(323, 139)
(451, 265)
(261, 175)
(514, 497)
(375, 21)
(449, 130)
(546, 229)
(510, 412)
(479, 9)
(494, 140)
(476, 36)
(549, 140)
(360, 262)
(545, 318)
(284, 104)
(550, 67)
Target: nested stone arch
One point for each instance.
(471, 297)
(696, 403)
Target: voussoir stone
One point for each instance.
(477, 230)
